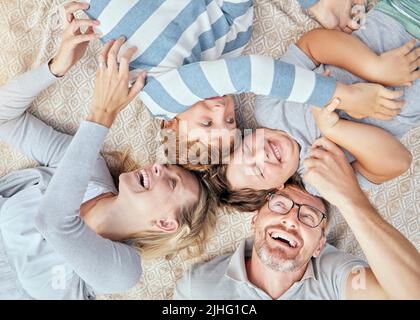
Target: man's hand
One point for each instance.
(393, 260)
(362, 100)
(336, 14)
(74, 42)
(328, 170)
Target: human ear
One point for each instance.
(254, 218)
(280, 188)
(321, 246)
(167, 225)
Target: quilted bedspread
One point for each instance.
(29, 35)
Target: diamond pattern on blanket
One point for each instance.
(29, 33)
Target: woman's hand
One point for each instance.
(112, 92)
(74, 43)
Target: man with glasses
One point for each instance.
(288, 258)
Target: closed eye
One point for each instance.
(207, 124)
(231, 120)
(259, 172)
(308, 217)
(279, 205)
(173, 183)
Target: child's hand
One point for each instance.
(326, 118)
(399, 67)
(358, 13)
(73, 43)
(362, 100)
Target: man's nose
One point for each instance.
(290, 220)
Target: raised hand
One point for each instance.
(74, 42)
(112, 84)
(326, 118)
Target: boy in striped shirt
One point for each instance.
(191, 49)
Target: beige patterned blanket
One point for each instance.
(29, 34)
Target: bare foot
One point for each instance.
(336, 14)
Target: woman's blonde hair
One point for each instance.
(196, 221)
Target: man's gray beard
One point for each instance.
(275, 263)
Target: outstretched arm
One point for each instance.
(379, 155)
(24, 131)
(21, 129)
(177, 90)
(116, 265)
(393, 260)
(393, 68)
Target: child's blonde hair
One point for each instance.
(192, 154)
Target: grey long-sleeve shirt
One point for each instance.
(55, 254)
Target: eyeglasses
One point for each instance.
(308, 215)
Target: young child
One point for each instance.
(376, 154)
(191, 49)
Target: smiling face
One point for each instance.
(282, 242)
(157, 194)
(266, 160)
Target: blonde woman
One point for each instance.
(66, 229)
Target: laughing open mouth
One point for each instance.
(144, 179)
(284, 238)
(276, 151)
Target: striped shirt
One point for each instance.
(171, 33)
(191, 50)
(306, 4)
